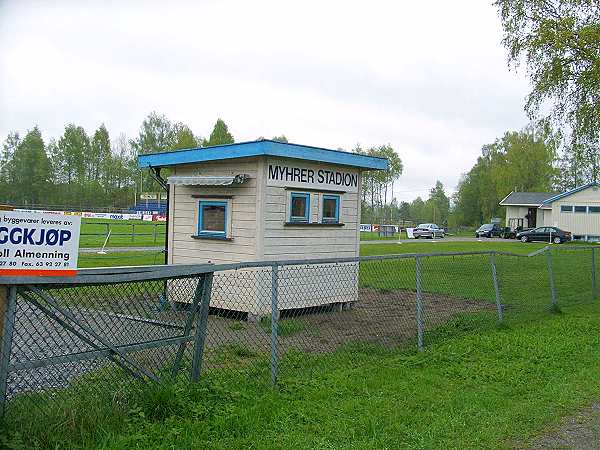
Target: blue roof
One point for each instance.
(571, 192)
(261, 148)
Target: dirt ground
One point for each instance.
(386, 318)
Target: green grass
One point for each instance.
(371, 236)
(285, 327)
(87, 260)
(486, 387)
(121, 233)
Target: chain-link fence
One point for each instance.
(108, 333)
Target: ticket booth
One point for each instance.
(264, 201)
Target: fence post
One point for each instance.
(274, 323)
(419, 304)
(154, 233)
(201, 325)
(132, 232)
(8, 306)
(594, 286)
(496, 287)
(551, 277)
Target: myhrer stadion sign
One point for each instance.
(312, 177)
(42, 244)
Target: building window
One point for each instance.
(330, 212)
(581, 209)
(299, 207)
(566, 208)
(212, 219)
(594, 210)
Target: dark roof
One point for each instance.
(526, 198)
(261, 148)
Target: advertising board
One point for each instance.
(38, 244)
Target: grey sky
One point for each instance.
(430, 78)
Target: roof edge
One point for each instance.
(261, 148)
(570, 192)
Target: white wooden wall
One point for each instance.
(583, 224)
(183, 221)
(305, 242)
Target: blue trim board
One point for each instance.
(571, 192)
(261, 148)
(337, 208)
(201, 205)
(306, 217)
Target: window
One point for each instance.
(566, 208)
(212, 219)
(331, 209)
(299, 207)
(580, 209)
(594, 209)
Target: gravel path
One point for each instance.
(578, 432)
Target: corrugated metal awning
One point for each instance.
(207, 180)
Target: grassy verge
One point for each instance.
(484, 388)
(87, 260)
(370, 236)
(147, 233)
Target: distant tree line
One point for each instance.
(78, 170)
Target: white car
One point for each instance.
(428, 230)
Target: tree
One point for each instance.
(100, 164)
(519, 161)
(281, 138)
(559, 41)
(220, 135)
(30, 170)
(155, 135)
(438, 205)
(183, 137)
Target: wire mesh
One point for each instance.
(265, 321)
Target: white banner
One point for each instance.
(366, 227)
(409, 233)
(311, 176)
(38, 244)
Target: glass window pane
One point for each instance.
(566, 208)
(580, 209)
(213, 218)
(595, 209)
(329, 208)
(298, 206)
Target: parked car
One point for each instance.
(508, 233)
(545, 234)
(428, 230)
(489, 230)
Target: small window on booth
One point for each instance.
(300, 207)
(212, 219)
(566, 208)
(330, 212)
(580, 209)
(594, 209)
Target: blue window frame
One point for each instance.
(212, 218)
(330, 209)
(299, 207)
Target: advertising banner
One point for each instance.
(365, 227)
(38, 244)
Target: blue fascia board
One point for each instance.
(261, 148)
(571, 192)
